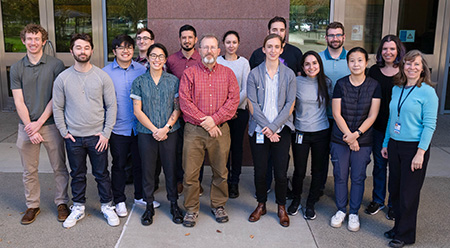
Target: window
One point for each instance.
(307, 23)
(16, 15)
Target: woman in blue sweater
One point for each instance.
(412, 121)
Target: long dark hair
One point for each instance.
(401, 50)
(322, 93)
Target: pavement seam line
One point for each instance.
(443, 150)
(312, 234)
(1, 141)
(125, 226)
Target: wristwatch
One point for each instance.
(359, 132)
(169, 126)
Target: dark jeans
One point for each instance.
(345, 162)
(149, 148)
(405, 186)
(379, 172)
(121, 146)
(237, 131)
(77, 152)
(318, 143)
(280, 152)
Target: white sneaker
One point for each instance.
(337, 219)
(121, 209)
(353, 223)
(110, 215)
(142, 202)
(76, 214)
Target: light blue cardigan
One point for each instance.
(287, 89)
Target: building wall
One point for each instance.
(248, 18)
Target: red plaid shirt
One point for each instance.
(212, 93)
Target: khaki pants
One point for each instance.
(29, 154)
(196, 142)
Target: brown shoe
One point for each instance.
(30, 216)
(282, 214)
(63, 212)
(180, 188)
(260, 210)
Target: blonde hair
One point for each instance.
(425, 76)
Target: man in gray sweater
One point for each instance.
(84, 109)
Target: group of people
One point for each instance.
(168, 111)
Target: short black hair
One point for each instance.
(160, 46)
(122, 38)
(152, 36)
(276, 19)
(187, 27)
(82, 36)
(358, 49)
(233, 33)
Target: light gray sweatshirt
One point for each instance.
(84, 103)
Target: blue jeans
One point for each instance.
(77, 152)
(379, 170)
(345, 162)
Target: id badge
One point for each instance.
(299, 138)
(397, 127)
(259, 138)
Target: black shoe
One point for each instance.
(177, 215)
(373, 208)
(233, 190)
(390, 214)
(147, 217)
(396, 243)
(390, 234)
(309, 214)
(293, 208)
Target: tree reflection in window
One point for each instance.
(16, 15)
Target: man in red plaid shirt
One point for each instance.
(209, 96)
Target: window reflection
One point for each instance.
(363, 24)
(307, 23)
(124, 17)
(417, 24)
(71, 16)
(16, 15)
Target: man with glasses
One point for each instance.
(144, 39)
(209, 96)
(31, 84)
(176, 63)
(334, 59)
(123, 70)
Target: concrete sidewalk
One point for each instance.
(93, 231)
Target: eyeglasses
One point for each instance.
(153, 56)
(122, 48)
(335, 35)
(209, 48)
(145, 38)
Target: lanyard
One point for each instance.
(400, 102)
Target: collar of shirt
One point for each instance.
(116, 65)
(343, 54)
(206, 69)
(194, 56)
(43, 60)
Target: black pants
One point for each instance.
(149, 149)
(237, 131)
(120, 147)
(318, 143)
(404, 187)
(280, 154)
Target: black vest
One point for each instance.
(355, 107)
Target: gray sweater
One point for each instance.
(309, 117)
(84, 103)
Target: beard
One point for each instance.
(209, 61)
(336, 44)
(80, 60)
(187, 49)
